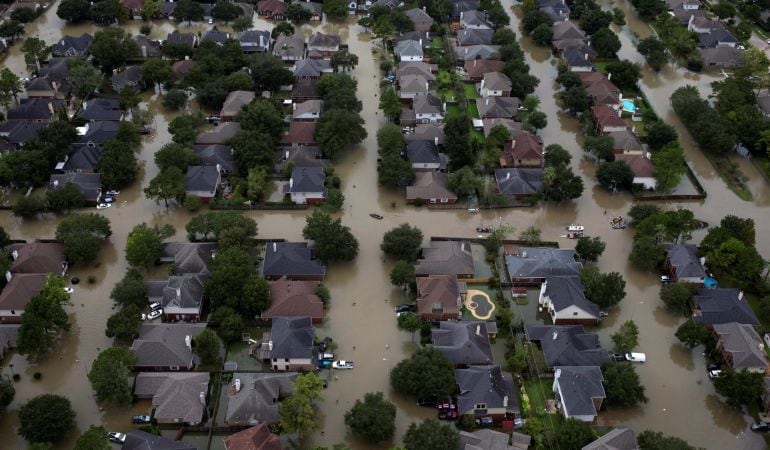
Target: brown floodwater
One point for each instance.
(682, 400)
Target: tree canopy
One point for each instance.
(373, 419)
(622, 385)
(108, 376)
(426, 373)
(47, 418)
(207, 346)
(234, 282)
(43, 319)
(402, 242)
(83, 235)
(430, 434)
(298, 412)
(604, 289)
(144, 244)
(94, 438)
(332, 240)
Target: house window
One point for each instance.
(444, 200)
(437, 307)
(173, 368)
(481, 406)
(433, 200)
(574, 313)
(286, 360)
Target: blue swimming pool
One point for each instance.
(629, 106)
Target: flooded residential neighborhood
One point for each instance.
(682, 400)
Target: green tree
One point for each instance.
(230, 323)
(207, 346)
(10, 87)
(213, 225)
(625, 74)
(335, 9)
(465, 182)
(402, 242)
(641, 211)
(337, 130)
(144, 244)
(73, 10)
(533, 19)
(323, 293)
(531, 235)
(150, 9)
(572, 433)
(738, 259)
(626, 338)
(252, 149)
(692, 334)
(263, 116)
(157, 71)
(655, 440)
(124, 324)
(606, 43)
(677, 297)
(497, 15)
(333, 241)
(117, 166)
(83, 235)
(426, 373)
(297, 13)
(86, 79)
(175, 155)
(646, 253)
(740, 388)
(600, 146)
(108, 376)
(373, 419)
(298, 412)
(188, 10)
(234, 283)
(724, 10)
(395, 172)
(225, 11)
(131, 290)
(174, 99)
(43, 320)
(34, 51)
(659, 133)
(668, 167)
(168, 184)
(47, 418)
(65, 198)
(430, 435)
(402, 273)
(604, 289)
(575, 99)
(622, 385)
(390, 105)
(11, 29)
(269, 72)
(7, 392)
(242, 23)
(256, 183)
(95, 438)
(410, 322)
(344, 59)
(589, 248)
(108, 12)
(654, 52)
(615, 175)
(112, 47)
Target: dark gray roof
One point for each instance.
(182, 38)
(89, 184)
(474, 36)
(304, 89)
(722, 56)
(100, 109)
(72, 45)
(446, 258)
(684, 258)
(202, 178)
(421, 37)
(213, 154)
(219, 135)
(422, 152)
(484, 440)
(502, 107)
(567, 30)
(306, 179)
(8, 336)
(98, 132)
(163, 344)
(311, 68)
(189, 257)
(302, 157)
(290, 259)
(148, 48)
(471, 52)
(567, 291)
(427, 104)
(579, 386)
(718, 36)
(475, 18)
(744, 344)
(485, 384)
(215, 36)
(131, 75)
(84, 157)
(292, 338)
(257, 400)
(56, 69)
(290, 46)
(541, 262)
(35, 109)
(459, 6)
(140, 440)
(417, 15)
(408, 48)
(518, 181)
(722, 305)
(463, 342)
(567, 345)
(175, 395)
(617, 439)
(319, 39)
(576, 58)
(178, 291)
(252, 40)
(19, 132)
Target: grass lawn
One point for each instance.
(478, 136)
(470, 91)
(443, 76)
(601, 66)
(763, 163)
(473, 111)
(436, 42)
(452, 111)
(538, 390)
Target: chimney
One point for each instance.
(554, 335)
(50, 108)
(186, 57)
(508, 175)
(423, 9)
(144, 51)
(293, 106)
(420, 42)
(435, 141)
(505, 402)
(237, 384)
(702, 260)
(648, 155)
(178, 294)
(286, 155)
(558, 373)
(270, 345)
(55, 183)
(740, 295)
(427, 86)
(15, 254)
(261, 40)
(188, 342)
(478, 329)
(487, 102)
(8, 276)
(482, 84)
(275, 247)
(461, 15)
(203, 398)
(219, 168)
(291, 183)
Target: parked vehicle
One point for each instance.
(326, 356)
(116, 437)
(429, 402)
(485, 422)
(760, 426)
(636, 357)
(483, 229)
(154, 314)
(141, 419)
(407, 307)
(342, 365)
(603, 314)
(108, 199)
(665, 279)
(575, 227)
(69, 290)
(575, 235)
(715, 373)
(103, 206)
(618, 357)
(376, 216)
(324, 344)
(473, 210)
(713, 366)
(113, 193)
(154, 306)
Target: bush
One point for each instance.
(16, 377)
(175, 99)
(695, 63)
(145, 29)
(192, 203)
(37, 375)
(75, 280)
(91, 279)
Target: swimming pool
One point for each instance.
(629, 106)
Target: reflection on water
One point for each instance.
(683, 356)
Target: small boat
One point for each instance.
(618, 219)
(342, 365)
(574, 227)
(575, 235)
(618, 226)
(483, 229)
(376, 216)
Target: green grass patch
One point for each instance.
(601, 66)
(436, 42)
(452, 111)
(443, 76)
(473, 111)
(478, 136)
(470, 91)
(538, 390)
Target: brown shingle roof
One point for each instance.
(20, 290)
(299, 133)
(254, 438)
(294, 299)
(607, 117)
(639, 164)
(437, 289)
(478, 67)
(522, 146)
(37, 257)
(429, 185)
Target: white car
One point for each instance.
(715, 373)
(116, 437)
(69, 290)
(154, 306)
(154, 314)
(113, 193)
(103, 206)
(342, 365)
(636, 357)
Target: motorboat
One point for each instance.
(574, 227)
(342, 365)
(376, 216)
(103, 206)
(575, 235)
(483, 229)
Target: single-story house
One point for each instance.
(89, 184)
(626, 142)
(474, 36)
(311, 68)
(292, 260)
(474, 52)
(97, 132)
(304, 89)
(36, 110)
(309, 110)
(177, 397)
(219, 135)
(38, 257)
(519, 184)
(511, 125)
(288, 346)
(83, 158)
(272, 9)
(463, 343)
(725, 57)
(642, 168)
(409, 50)
(99, 109)
(254, 41)
(428, 108)
(567, 345)
(567, 30)
(717, 38)
(579, 391)
(18, 291)
(416, 68)
(295, 298)
(322, 46)
(424, 155)
(131, 76)
(446, 258)
(411, 85)
(557, 10)
(181, 296)
(474, 19)
(253, 398)
(165, 347)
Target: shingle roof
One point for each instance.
(306, 179)
(98, 132)
(518, 181)
(290, 46)
(500, 107)
(459, 6)
(576, 58)
(606, 116)
(408, 48)
(148, 48)
(684, 258)
(418, 16)
(290, 259)
(37, 257)
(478, 67)
(175, 396)
(322, 40)
(427, 131)
(511, 125)
(522, 146)
(541, 262)
(475, 18)
(294, 298)
(292, 338)
(311, 68)
(422, 152)
(20, 290)
(446, 258)
(219, 135)
(129, 75)
(213, 154)
(567, 30)
(722, 56)
(579, 386)
(35, 109)
(430, 184)
(568, 291)
(484, 440)
(413, 84)
(101, 109)
(639, 164)
(437, 289)
(473, 52)
(257, 400)
(79, 44)
(487, 385)
(178, 292)
(474, 36)
(19, 132)
(235, 101)
(427, 104)
(721, 305)
(617, 439)
(255, 438)
(567, 345)
(303, 89)
(463, 342)
(163, 345)
(182, 38)
(215, 36)
(496, 81)
(202, 178)
(140, 440)
(744, 344)
(8, 336)
(718, 36)
(89, 184)
(307, 107)
(625, 140)
(190, 257)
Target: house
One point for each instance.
(215, 35)
(166, 347)
(306, 186)
(486, 391)
(564, 299)
(272, 9)
(188, 39)
(17, 133)
(626, 143)
(765, 392)
(486, 439)
(299, 134)
(423, 37)
(446, 258)
(683, 16)
(177, 397)
(219, 135)
(495, 84)
(583, 48)
(83, 159)
(309, 110)
(409, 50)
(424, 155)
(311, 68)
(254, 41)
(148, 48)
(722, 305)
(216, 155)
(18, 291)
(474, 19)
(682, 263)
(741, 347)
(181, 296)
(601, 90)
(577, 60)
(320, 45)
(8, 336)
(474, 36)
(477, 68)
(131, 76)
(202, 182)
(440, 297)
(722, 57)
(97, 132)
(189, 257)
(292, 260)
(89, 184)
(463, 343)
(183, 67)
(167, 9)
(512, 126)
(36, 110)
(607, 119)
(703, 24)
(498, 107)
(420, 19)
(579, 391)
(461, 6)
(300, 157)
(412, 85)
(290, 48)
(254, 398)
(686, 5)
(532, 265)
(134, 8)
(642, 168)
(430, 187)
(567, 30)
(288, 346)
(72, 46)
(100, 109)
(295, 298)
(519, 184)
(428, 108)
(140, 440)
(474, 52)
(257, 437)
(304, 89)
(38, 257)
(522, 150)
(567, 345)
(717, 38)
(234, 103)
(49, 87)
(427, 132)
(617, 439)
(557, 10)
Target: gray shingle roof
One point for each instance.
(140, 440)
(427, 104)
(235, 101)
(163, 345)
(446, 258)
(72, 45)
(215, 36)
(257, 400)
(322, 40)
(418, 16)
(718, 36)
(518, 181)
(177, 292)
(101, 109)
(463, 342)
(541, 262)
(617, 439)
(475, 18)
(744, 344)
(290, 259)
(189, 257)
(182, 38)
(8, 336)
(684, 258)
(474, 36)
(175, 396)
(723, 305)
(483, 440)
(290, 46)
(567, 30)
(567, 345)
(292, 338)
(568, 291)
(98, 132)
(502, 107)
(459, 6)
(422, 152)
(430, 184)
(219, 135)
(202, 178)
(213, 154)
(89, 184)
(497, 81)
(129, 76)
(471, 52)
(306, 179)
(311, 67)
(487, 385)
(579, 386)
(415, 68)
(35, 109)
(408, 48)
